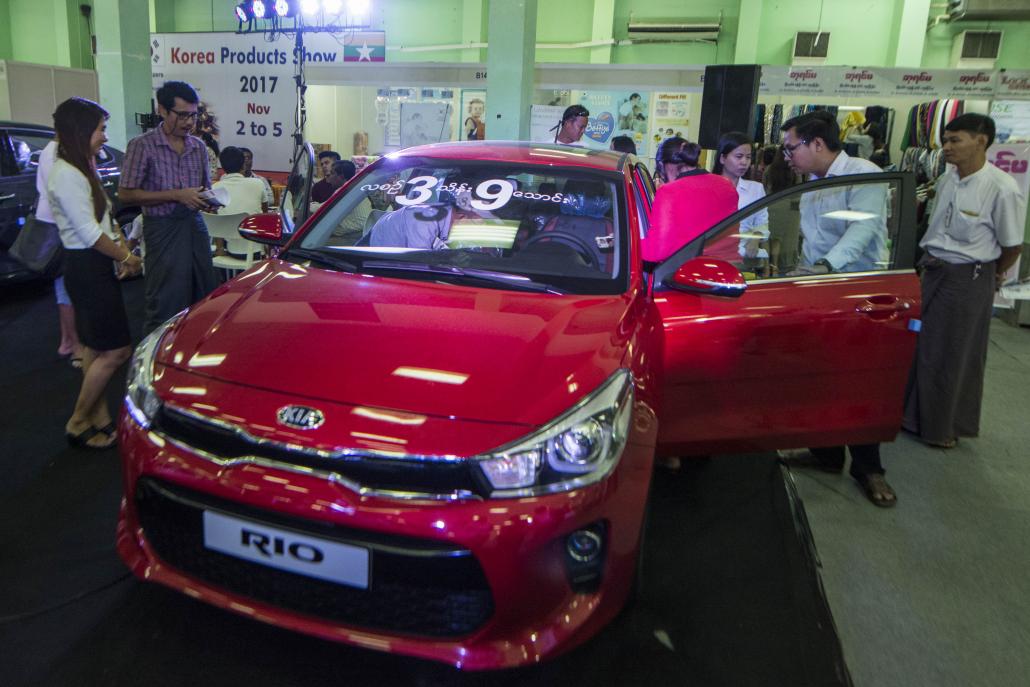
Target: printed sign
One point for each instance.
(799, 80)
(245, 81)
(1014, 160)
(1013, 85)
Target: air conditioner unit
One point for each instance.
(989, 10)
(671, 32)
(810, 47)
(975, 49)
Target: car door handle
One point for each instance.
(7, 197)
(884, 306)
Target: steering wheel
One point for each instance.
(577, 243)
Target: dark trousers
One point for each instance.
(865, 458)
(178, 265)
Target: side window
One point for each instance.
(27, 146)
(852, 227)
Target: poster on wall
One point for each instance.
(1014, 160)
(671, 117)
(1011, 120)
(542, 119)
(424, 122)
(245, 81)
(473, 114)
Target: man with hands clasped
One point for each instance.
(166, 172)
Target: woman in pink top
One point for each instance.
(689, 202)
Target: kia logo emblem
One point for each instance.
(300, 417)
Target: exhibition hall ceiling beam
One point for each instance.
(466, 75)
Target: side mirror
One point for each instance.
(264, 228)
(708, 276)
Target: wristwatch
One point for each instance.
(825, 263)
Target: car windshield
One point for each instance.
(489, 224)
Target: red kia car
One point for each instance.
(428, 426)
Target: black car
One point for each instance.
(20, 146)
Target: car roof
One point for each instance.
(4, 124)
(520, 152)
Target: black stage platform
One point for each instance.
(732, 596)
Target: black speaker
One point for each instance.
(728, 102)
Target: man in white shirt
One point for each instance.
(811, 144)
(572, 126)
(248, 171)
(975, 235)
(245, 195)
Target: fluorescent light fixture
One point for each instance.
(427, 375)
(390, 416)
(850, 215)
(378, 437)
(209, 360)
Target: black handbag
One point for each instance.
(39, 248)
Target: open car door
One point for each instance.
(296, 201)
(791, 361)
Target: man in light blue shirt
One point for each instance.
(844, 229)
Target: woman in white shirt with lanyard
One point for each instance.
(82, 213)
(733, 158)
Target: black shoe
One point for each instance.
(804, 459)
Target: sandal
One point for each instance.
(76, 362)
(81, 440)
(109, 429)
(947, 443)
(877, 490)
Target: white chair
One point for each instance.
(225, 227)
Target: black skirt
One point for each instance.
(100, 317)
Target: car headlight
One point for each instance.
(141, 400)
(581, 447)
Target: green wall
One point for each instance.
(50, 32)
(6, 52)
(54, 32)
(1015, 42)
(860, 31)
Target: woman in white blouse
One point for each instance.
(732, 161)
(82, 214)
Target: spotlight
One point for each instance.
(286, 8)
(243, 12)
(260, 10)
(332, 6)
(309, 6)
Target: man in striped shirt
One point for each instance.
(166, 172)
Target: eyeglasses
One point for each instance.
(185, 115)
(788, 150)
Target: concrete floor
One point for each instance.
(936, 591)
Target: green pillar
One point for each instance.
(906, 44)
(472, 29)
(749, 28)
(510, 60)
(603, 29)
(123, 65)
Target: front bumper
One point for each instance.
(474, 583)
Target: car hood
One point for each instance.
(430, 348)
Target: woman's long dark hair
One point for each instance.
(728, 142)
(75, 120)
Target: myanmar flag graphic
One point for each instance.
(365, 46)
